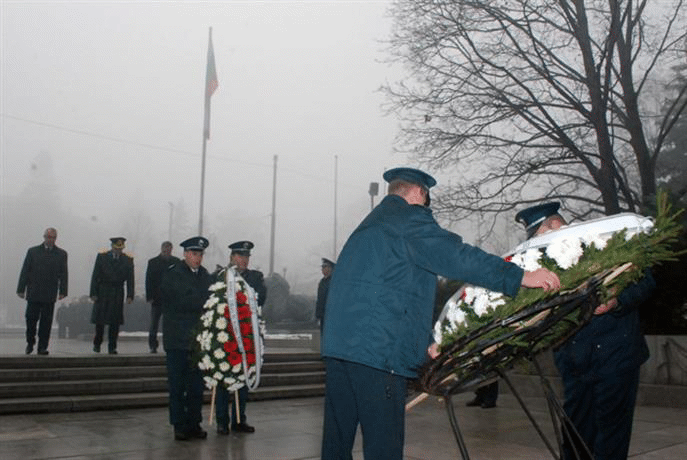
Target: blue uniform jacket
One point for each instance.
(611, 343)
(381, 296)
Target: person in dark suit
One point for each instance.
(323, 289)
(378, 319)
(600, 363)
(112, 271)
(157, 266)
(239, 258)
(184, 290)
(42, 279)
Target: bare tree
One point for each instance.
(525, 99)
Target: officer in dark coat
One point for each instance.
(42, 279)
(157, 266)
(600, 364)
(239, 257)
(322, 290)
(378, 319)
(184, 290)
(112, 271)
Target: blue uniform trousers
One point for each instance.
(357, 394)
(223, 400)
(185, 383)
(601, 410)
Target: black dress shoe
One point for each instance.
(29, 349)
(43, 352)
(487, 405)
(198, 433)
(96, 348)
(223, 430)
(473, 403)
(112, 352)
(242, 428)
(181, 436)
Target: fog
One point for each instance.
(102, 118)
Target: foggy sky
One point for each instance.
(101, 128)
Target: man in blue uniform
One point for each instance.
(43, 277)
(184, 291)
(157, 266)
(239, 258)
(600, 364)
(379, 309)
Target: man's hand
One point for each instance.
(433, 350)
(606, 307)
(541, 278)
(21, 295)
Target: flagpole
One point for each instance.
(274, 214)
(211, 85)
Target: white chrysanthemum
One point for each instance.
(238, 286)
(456, 316)
(224, 366)
(218, 353)
(204, 339)
(222, 336)
(470, 293)
(221, 323)
(221, 307)
(218, 286)
(210, 382)
(206, 363)
(528, 260)
(206, 318)
(486, 302)
(236, 369)
(211, 302)
(217, 376)
(565, 251)
(593, 237)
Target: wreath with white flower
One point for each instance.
(482, 333)
(231, 332)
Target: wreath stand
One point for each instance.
(482, 356)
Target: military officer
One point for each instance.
(112, 271)
(239, 258)
(184, 290)
(157, 266)
(322, 289)
(378, 325)
(599, 364)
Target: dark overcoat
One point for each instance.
(381, 296)
(183, 295)
(256, 280)
(157, 266)
(43, 274)
(109, 277)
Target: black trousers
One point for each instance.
(112, 334)
(186, 385)
(155, 314)
(39, 314)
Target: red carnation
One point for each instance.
(230, 346)
(241, 298)
(250, 359)
(246, 329)
(226, 311)
(509, 258)
(234, 358)
(243, 312)
(247, 344)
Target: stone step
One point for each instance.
(138, 400)
(48, 374)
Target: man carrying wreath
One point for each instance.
(239, 259)
(378, 316)
(600, 364)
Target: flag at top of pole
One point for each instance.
(211, 85)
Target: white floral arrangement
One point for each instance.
(576, 252)
(231, 334)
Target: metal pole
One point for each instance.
(274, 218)
(171, 216)
(202, 189)
(336, 185)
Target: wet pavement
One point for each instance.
(291, 429)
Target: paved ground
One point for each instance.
(291, 429)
